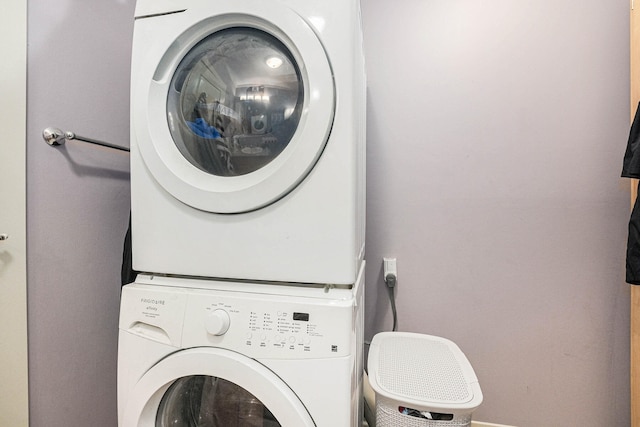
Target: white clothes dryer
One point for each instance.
(239, 355)
(248, 139)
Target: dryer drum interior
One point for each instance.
(235, 101)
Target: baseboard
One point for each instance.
(481, 424)
(473, 424)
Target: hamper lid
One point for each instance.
(423, 371)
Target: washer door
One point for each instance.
(233, 103)
(214, 388)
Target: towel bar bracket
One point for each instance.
(54, 137)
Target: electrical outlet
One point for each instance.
(390, 269)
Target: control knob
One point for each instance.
(217, 322)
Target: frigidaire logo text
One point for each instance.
(152, 301)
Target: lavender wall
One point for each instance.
(496, 131)
(78, 206)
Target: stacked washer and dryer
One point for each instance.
(247, 187)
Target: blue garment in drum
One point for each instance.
(201, 128)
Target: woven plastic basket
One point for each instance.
(421, 381)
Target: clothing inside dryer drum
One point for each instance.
(204, 401)
(235, 101)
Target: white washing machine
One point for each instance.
(248, 139)
(239, 355)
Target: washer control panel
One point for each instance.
(269, 326)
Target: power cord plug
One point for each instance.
(390, 280)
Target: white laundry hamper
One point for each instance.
(421, 381)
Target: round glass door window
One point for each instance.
(235, 101)
(206, 401)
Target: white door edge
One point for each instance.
(14, 403)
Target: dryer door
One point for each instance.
(233, 103)
(215, 388)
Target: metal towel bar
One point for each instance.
(54, 137)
